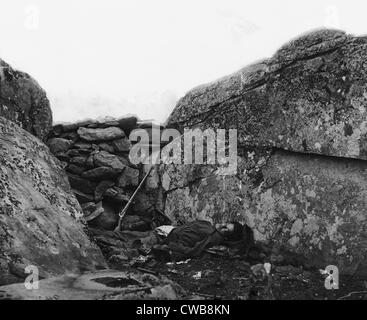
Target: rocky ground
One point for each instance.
(222, 274)
(215, 277)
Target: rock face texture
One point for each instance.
(301, 181)
(309, 97)
(41, 222)
(24, 102)
(95, 155)
(311, 205)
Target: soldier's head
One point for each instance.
(232, 231)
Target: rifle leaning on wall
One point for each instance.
(123, 212)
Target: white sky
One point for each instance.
(114, 57)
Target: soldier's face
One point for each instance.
(225, 228)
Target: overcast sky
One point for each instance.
(115, 57)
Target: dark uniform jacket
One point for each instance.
(191, 239)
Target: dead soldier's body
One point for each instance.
(188, 240)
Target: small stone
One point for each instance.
(92, 125)
(106, 147)
(106, 134)
(86, 151)
(73, 136)
(276, 258)
(57, 130)
(128, 124)
(74, 126)
(81, 184)
(63, 164)
(90, 162)
(289, 269)
(118, 258)
(83, 145)
(258, 270)
(89, 206)
(59, 145)
(78, 161)
(129, 219)
(122, 145)
(63, 157)
(135, 223)
(144, 203)
(129, 177)
(152, 182)
(73, 153)
(107, 220)
(105, 123)
(102, 188)
(126, 162)
(112, 123)
(116, 194)
(101, 173)
(75, 169)
(82, 197)
(105, 159)
(92, 210)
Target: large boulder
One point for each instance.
(311, 96)
(23, 101)
(302, 144)
(41, 222)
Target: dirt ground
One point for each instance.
(223, 273)
(223, 278)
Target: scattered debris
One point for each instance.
(178, 262)
(145, 270)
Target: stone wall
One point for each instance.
(95, 155)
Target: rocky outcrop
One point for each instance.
(301, 179)
(41, 222)
(95, 155)
(310, 97)
(24, 102)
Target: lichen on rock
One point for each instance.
(41, 222)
